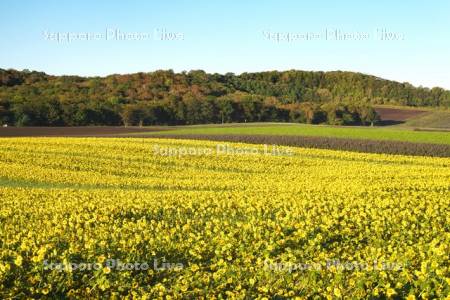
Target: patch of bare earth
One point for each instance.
(391, 116)
(87, 131)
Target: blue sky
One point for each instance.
(230, 36)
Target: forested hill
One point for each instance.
(165, 97)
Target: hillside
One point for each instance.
(432, 119)
(164, 97)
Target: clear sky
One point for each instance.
(399, 40)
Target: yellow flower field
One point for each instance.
(112, 217)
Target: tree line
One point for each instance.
(167, 98)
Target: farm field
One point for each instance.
(160, 218)
(376, 133)
(389, 140)
(415, 118)
(398, 115)
(436, 120)
(74, 131)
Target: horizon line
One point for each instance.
(224, 73)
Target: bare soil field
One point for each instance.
(103, 131)
(93, 131)
(391, 116)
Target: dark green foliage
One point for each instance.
(195, 97)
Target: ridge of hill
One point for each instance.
(165, 97)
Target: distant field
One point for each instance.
(392, 116)
(391, 133)
(73, 131)
(417, 118)
(436, 119)
(376, 133)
